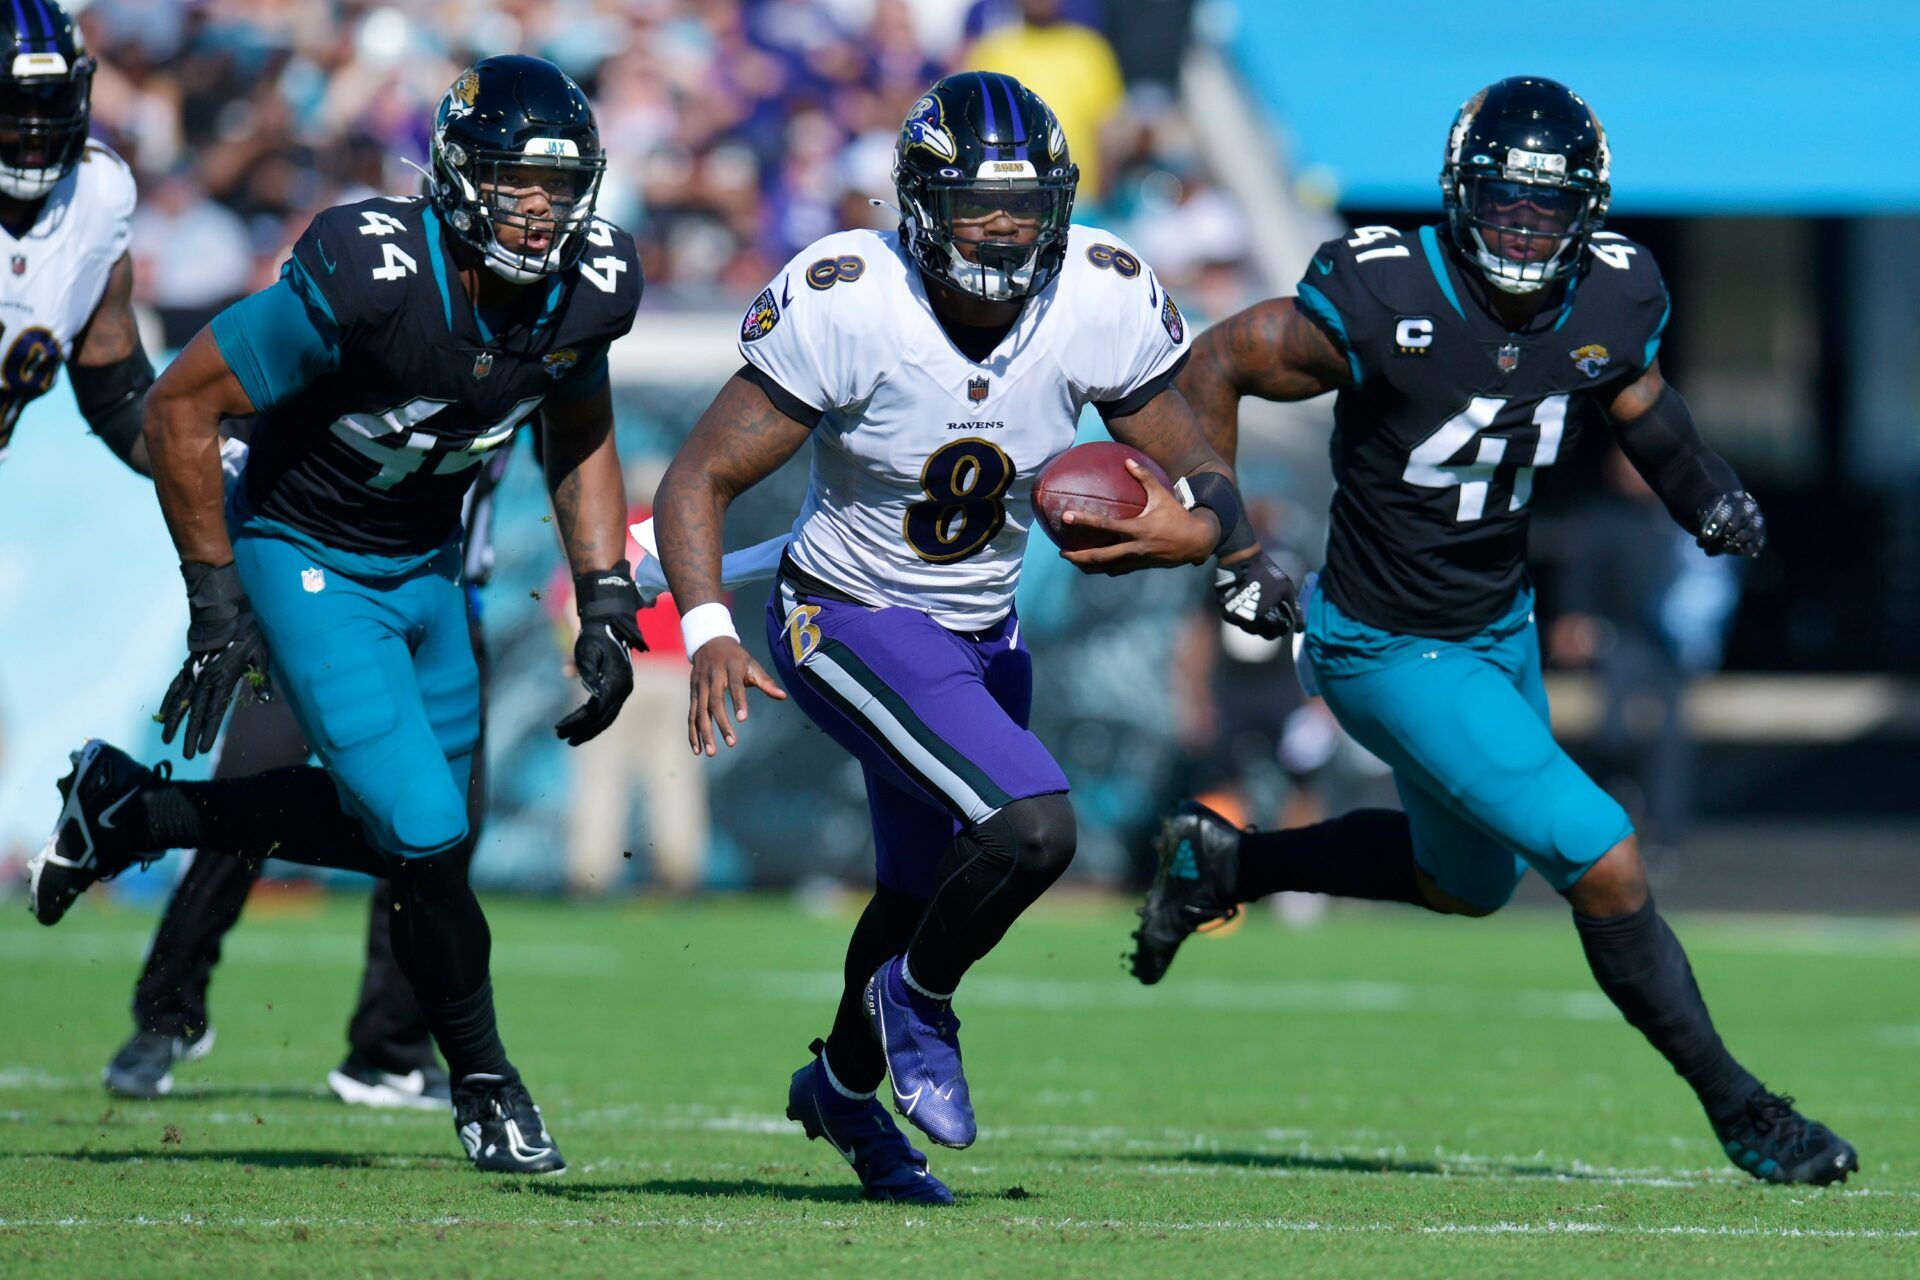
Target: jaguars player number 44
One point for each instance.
(405, 341)
(1462, 355)
(66, 284)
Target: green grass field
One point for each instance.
(1384, 1094)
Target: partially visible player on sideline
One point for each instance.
(1462, 357)
(935, 370)
(66, 295)
(66, 287)
(405, 341)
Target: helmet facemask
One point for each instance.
(43, 123)
(527, 212)
(958, 229)
(1523, 233)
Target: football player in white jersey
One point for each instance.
(66, 289)
(936, 370)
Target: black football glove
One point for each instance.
(608, 601)
(1257, 596)
(1733, 525)
(225, 653)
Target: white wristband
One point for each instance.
(706, 622)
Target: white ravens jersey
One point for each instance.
(923, 460)
(53, 276)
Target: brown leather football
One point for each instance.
(1091, 477)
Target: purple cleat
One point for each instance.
(861, 1130)
(920, 1037)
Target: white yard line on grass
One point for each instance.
(1279, 1226)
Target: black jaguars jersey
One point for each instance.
(1436, 445)
(376, 456)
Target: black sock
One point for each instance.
(292, 813)
(885, 928)
(1642, 968)
(443, 945)
(1364, 854)
(993, 871)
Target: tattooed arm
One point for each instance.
(741, 439)
(583, 480)
(1272, 350)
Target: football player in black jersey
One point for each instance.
(1462, 356)
(405, 341)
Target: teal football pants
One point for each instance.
(380, 673)
(1464, 726)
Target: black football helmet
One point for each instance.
(45, 98)
(1525, 181)
(509, 123)
(980, 143)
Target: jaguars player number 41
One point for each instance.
(1462, 356)
(405, 342)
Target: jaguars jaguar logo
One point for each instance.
(926, 128)
(559, 364)
(1590, 359)
(1170, 317)
(465, 92)
(760, 317)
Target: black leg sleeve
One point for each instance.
(885, 928)
(1644, 971)
(443, 945)
(994, 870)
(389, 1028)
(293, 814)
(170, 997)
(1364, 854)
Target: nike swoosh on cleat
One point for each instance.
(106, 814)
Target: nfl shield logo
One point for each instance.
(977, 390)
(1509, 358)
(313, 580)
(483, 364)
(19, 264)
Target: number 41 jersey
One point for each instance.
(920, 494)
(1436, 444)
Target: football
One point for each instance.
(1092, 478)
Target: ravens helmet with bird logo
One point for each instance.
(976, 146)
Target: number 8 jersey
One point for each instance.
(923, 460)
(1436, 444)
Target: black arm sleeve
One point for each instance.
(783, 400)
(111, 396)
(1666, 449)
(1137, 399)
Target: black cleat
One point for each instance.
(97, 836)
(144, 1066)
(1199, 854)
(501, 1127)
(1775, 1143)
(359, 1082)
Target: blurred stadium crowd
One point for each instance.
(737, 131)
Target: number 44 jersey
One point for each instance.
(1436, 444)
(374, 453)
(923, 459)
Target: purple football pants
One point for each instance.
(937, 719)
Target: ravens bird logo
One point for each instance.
(926, 127)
